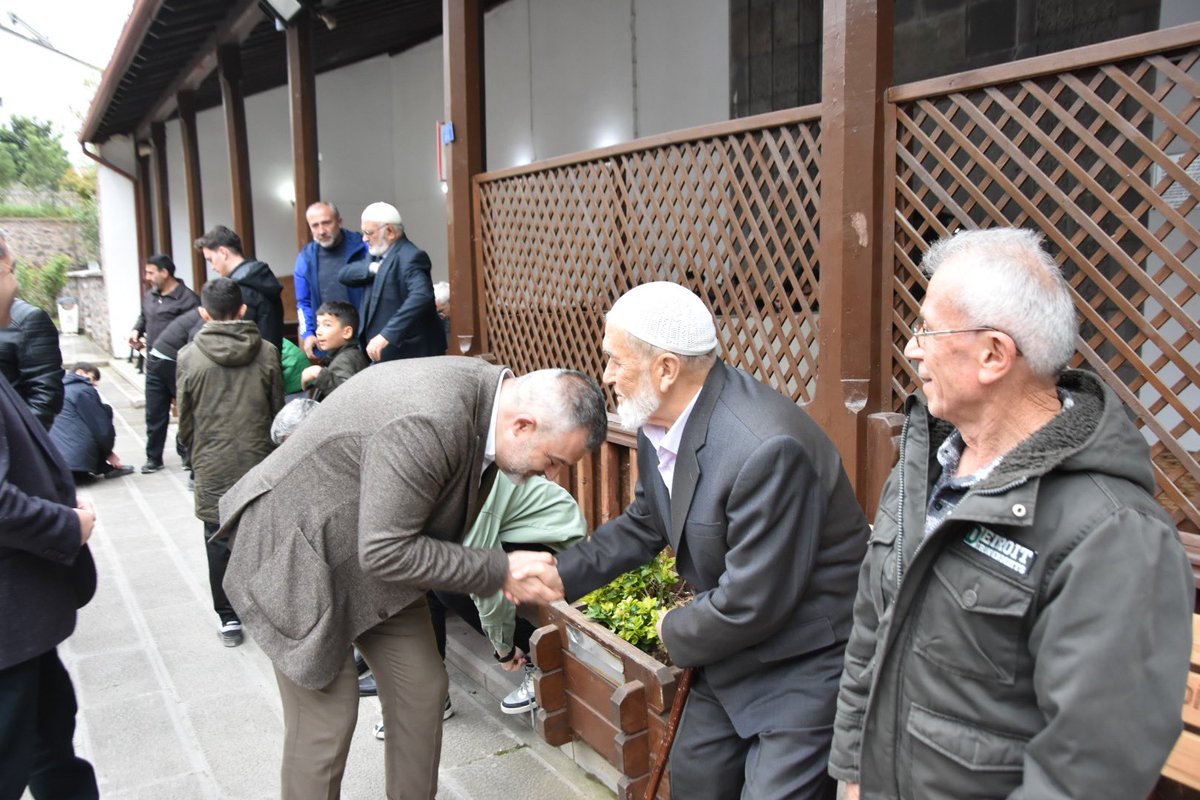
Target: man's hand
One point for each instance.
(114, 460)
(375, 347)
(310, 342)
(851, 791)
(516, 662)
(532, 578)
(135, 340)
(87, 520)
(658, 625)
(309, 375)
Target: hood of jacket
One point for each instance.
(231, 344)
(71, 379)
(258, 276)
(1095, 436)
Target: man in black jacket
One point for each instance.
(167, 300)
(31, 361)
(46, 573)
(261, 290)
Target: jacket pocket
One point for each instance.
(293, 587)
(953, 758)
(971, 621)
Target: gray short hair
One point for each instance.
(568, 400)
(1012, 284)
(441, 292)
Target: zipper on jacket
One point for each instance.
(900, 507)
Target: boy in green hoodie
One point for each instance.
(229, 387)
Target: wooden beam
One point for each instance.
(229, 60)
(162, 197)
(195, 197)
(302, 100)
(462, 28)
(237, 25)
(857, 67)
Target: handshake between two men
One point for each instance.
(533, 578)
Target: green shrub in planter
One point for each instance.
(631, 604)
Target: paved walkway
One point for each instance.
(167, 712)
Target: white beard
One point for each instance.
(635, 411)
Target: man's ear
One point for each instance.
(523, 424)
(997, 357)
(207, 317)
(242, 312)
(664, 371)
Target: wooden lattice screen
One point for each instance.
(729, 210)
(1098, 148)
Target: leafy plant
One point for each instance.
(41, 286)
(631, 604)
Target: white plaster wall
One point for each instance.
(682, 63)
(418, 104)
(508, 102)
(118, 242)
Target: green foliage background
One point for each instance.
(40, 286)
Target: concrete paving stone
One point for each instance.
(182, 787)
(153, 576)
(115, 675)
(513, 773)
(97, 631)
(472, 731)
(139, 731)
(229, 728)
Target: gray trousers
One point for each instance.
(709, 761)
(318, 725)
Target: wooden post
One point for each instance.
(145, 218)
(162, 199)
(462, 31)
(857, 66)
(302, 99)
(229, 68)
(191, 172)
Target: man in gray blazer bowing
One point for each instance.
(753, 499)
(341, 530)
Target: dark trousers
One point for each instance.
(218, 559)
(160, 391)
(37, 723)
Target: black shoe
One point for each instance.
(117, 472)
(151, 465)
(231, 633)
(367, 687)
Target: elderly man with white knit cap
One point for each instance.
(399, 318)
(752, 497)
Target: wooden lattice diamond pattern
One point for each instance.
(734, 218)
(1098, 159)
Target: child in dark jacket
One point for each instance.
(230, 387)
(337, 335)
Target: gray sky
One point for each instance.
(35, 82)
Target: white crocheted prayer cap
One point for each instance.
(381, 214)
(665, 315)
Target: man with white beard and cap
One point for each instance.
(752, 497)
(399, 318)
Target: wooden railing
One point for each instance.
(1096, 147)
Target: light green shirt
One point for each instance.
(538, 511)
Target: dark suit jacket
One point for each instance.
(45, 574)
(399, 303)
(361, 510)
(766, 528)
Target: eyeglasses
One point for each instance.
(368, 233)
(919, 331)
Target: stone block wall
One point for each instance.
(87, 286)
(36, 241)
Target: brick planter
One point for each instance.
(598, 688)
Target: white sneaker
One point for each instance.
(231, 633)
(524, 697)
(447, 713)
